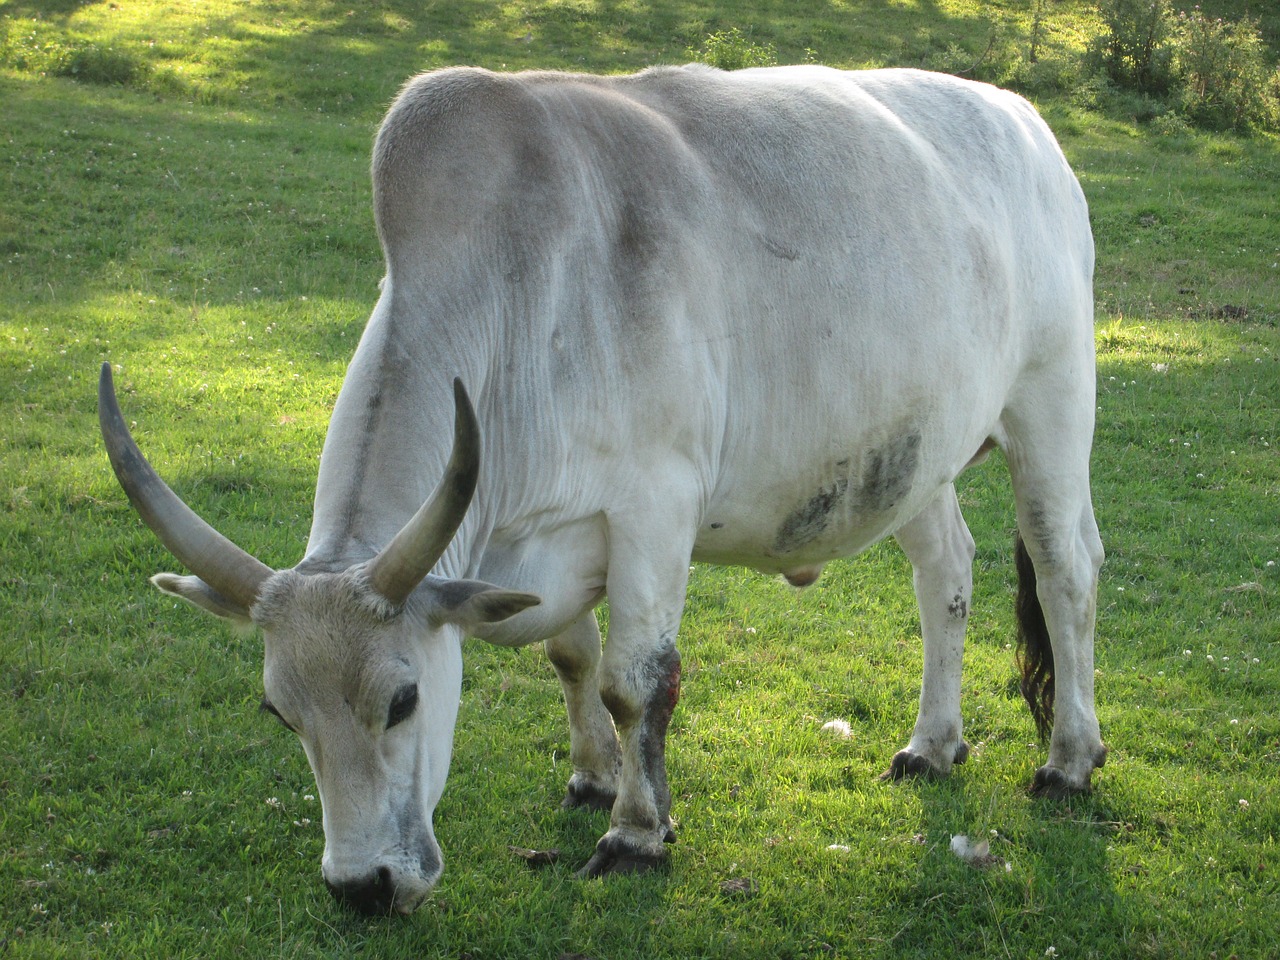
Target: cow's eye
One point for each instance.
(269, 707)
(402, 705)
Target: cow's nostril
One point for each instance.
(373, 895)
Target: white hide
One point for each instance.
(759, 318)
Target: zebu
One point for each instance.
(759, 318)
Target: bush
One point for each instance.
(733, 50)
(1213, 71)
(1135, 50)
(1223, 71)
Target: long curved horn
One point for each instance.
(402, 564)
(236, 575)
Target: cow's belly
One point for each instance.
(833, 507)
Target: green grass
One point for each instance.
(202, 220)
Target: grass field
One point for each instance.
(184, 192)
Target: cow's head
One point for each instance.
(364, 663)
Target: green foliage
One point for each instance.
(733, 50)
(1135, 47)
(1226, 82)
(1212, 70)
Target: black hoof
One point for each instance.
(1052, 784)
(588, 796)
(907, 764)
(613, 857)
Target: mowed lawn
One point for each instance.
(184, 192)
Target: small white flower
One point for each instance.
(274, 802)
(838, 848)
(1244, 804)
(1050, 951)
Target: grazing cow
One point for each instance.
(760, 318)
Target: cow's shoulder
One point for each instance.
(440, 109)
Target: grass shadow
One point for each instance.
(1045, 858)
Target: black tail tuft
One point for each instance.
(1034, 652)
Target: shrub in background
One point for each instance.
(734, 50)
(1013, 58)
(1135, 49)
(1212, 71)
(1222, 67)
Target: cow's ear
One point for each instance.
(470, 604)
(198, 593)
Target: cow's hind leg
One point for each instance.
(1048, 454)
(593, 742)
(940, 548)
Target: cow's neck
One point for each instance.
(388, 442)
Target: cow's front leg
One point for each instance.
(640, 684)
(940, 548)
(641, 699)
(593, 742)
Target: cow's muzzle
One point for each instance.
(374, 895)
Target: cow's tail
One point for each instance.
(1034, 651)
